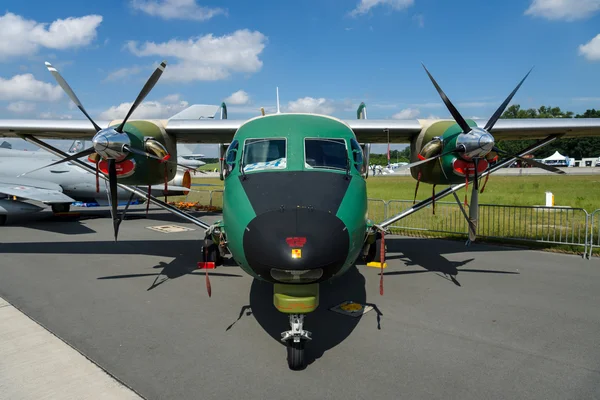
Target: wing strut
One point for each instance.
(131, 189)
(451, 190)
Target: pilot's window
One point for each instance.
(326, 153)
(261, 154)
(231, 156)
(357, 155)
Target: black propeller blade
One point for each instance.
(72, 157)
(531, 162)
(112, 186)
(455, 114)
(492, 121)
(143, 93)
(474, 204)
(65, 86)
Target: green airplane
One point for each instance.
(295, 198)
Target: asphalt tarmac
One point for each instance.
(483, 322)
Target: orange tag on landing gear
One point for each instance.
(296, 253)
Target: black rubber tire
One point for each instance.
(61, 208)
(295, 355)
(2, 219)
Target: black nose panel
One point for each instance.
(266, 242)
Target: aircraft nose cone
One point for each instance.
(300, 245)
(486, 142)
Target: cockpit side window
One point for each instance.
(231, 156)
(264, 154)
(326, 153)
(357, 156)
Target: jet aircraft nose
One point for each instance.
(301, 245)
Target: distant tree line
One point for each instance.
(577, 148)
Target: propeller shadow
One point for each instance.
(418, 252)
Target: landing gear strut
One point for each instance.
(295, 339)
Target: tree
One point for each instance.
(574, 148)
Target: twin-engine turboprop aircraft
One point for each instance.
(295, 200)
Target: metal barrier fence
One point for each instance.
(552, 225)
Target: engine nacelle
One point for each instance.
(438, 138)
(135, 169)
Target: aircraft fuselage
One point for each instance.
(295, 203)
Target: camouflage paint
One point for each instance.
(237, 210)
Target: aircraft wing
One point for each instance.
(32, 189)
(366, 130)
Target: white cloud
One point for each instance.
(311, 105)
(163, 108)
(407, 113)
(177, 9)
(568, 10)
(365, 5)
(591, 50)
(207, 58)
(21, 107)
(238, 98)
(26, 87)
(19, 36)
(123, 73)
(51, 115)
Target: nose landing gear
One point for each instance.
(295, 339)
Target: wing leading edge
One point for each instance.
(366, 130)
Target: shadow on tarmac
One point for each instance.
(328, 328)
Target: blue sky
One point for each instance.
(325, 56)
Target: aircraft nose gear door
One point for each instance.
(295, 339)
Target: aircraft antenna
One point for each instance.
(278, 110)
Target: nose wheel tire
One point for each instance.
(295, 340)
(295, 355)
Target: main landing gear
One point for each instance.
(295, 339)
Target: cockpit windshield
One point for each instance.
(261, 154)
(326, 153)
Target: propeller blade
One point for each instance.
(541, 165)
(474, 206)
(143, 93)
(65, 86)
(72, 157)
(492, 121)
(455, 114)
(112, 183)
(532, 162)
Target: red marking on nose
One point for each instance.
(296, 241)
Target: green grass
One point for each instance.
(581, 191)
(209, 167)
(503, 222)
(573, 191)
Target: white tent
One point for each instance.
(555, 157)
